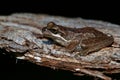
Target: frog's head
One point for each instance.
(55, 32)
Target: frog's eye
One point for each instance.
(53, 31)
(50, 24)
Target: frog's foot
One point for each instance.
(81, 53)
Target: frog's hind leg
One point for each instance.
(98, 44)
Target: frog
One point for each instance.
(83, 40)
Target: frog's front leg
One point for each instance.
(72, 45)
(76, 46)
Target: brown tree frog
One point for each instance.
(83, 40)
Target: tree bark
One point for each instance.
(21, 35)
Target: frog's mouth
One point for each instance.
(47, 33)
(56, 37)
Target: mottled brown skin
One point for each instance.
(82, 40)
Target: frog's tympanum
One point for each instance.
(83, 40)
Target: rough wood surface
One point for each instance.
(20, 35)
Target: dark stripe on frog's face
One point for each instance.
(56, 29)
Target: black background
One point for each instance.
(101, 10)
(105, 11)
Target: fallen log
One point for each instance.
(21, 35)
